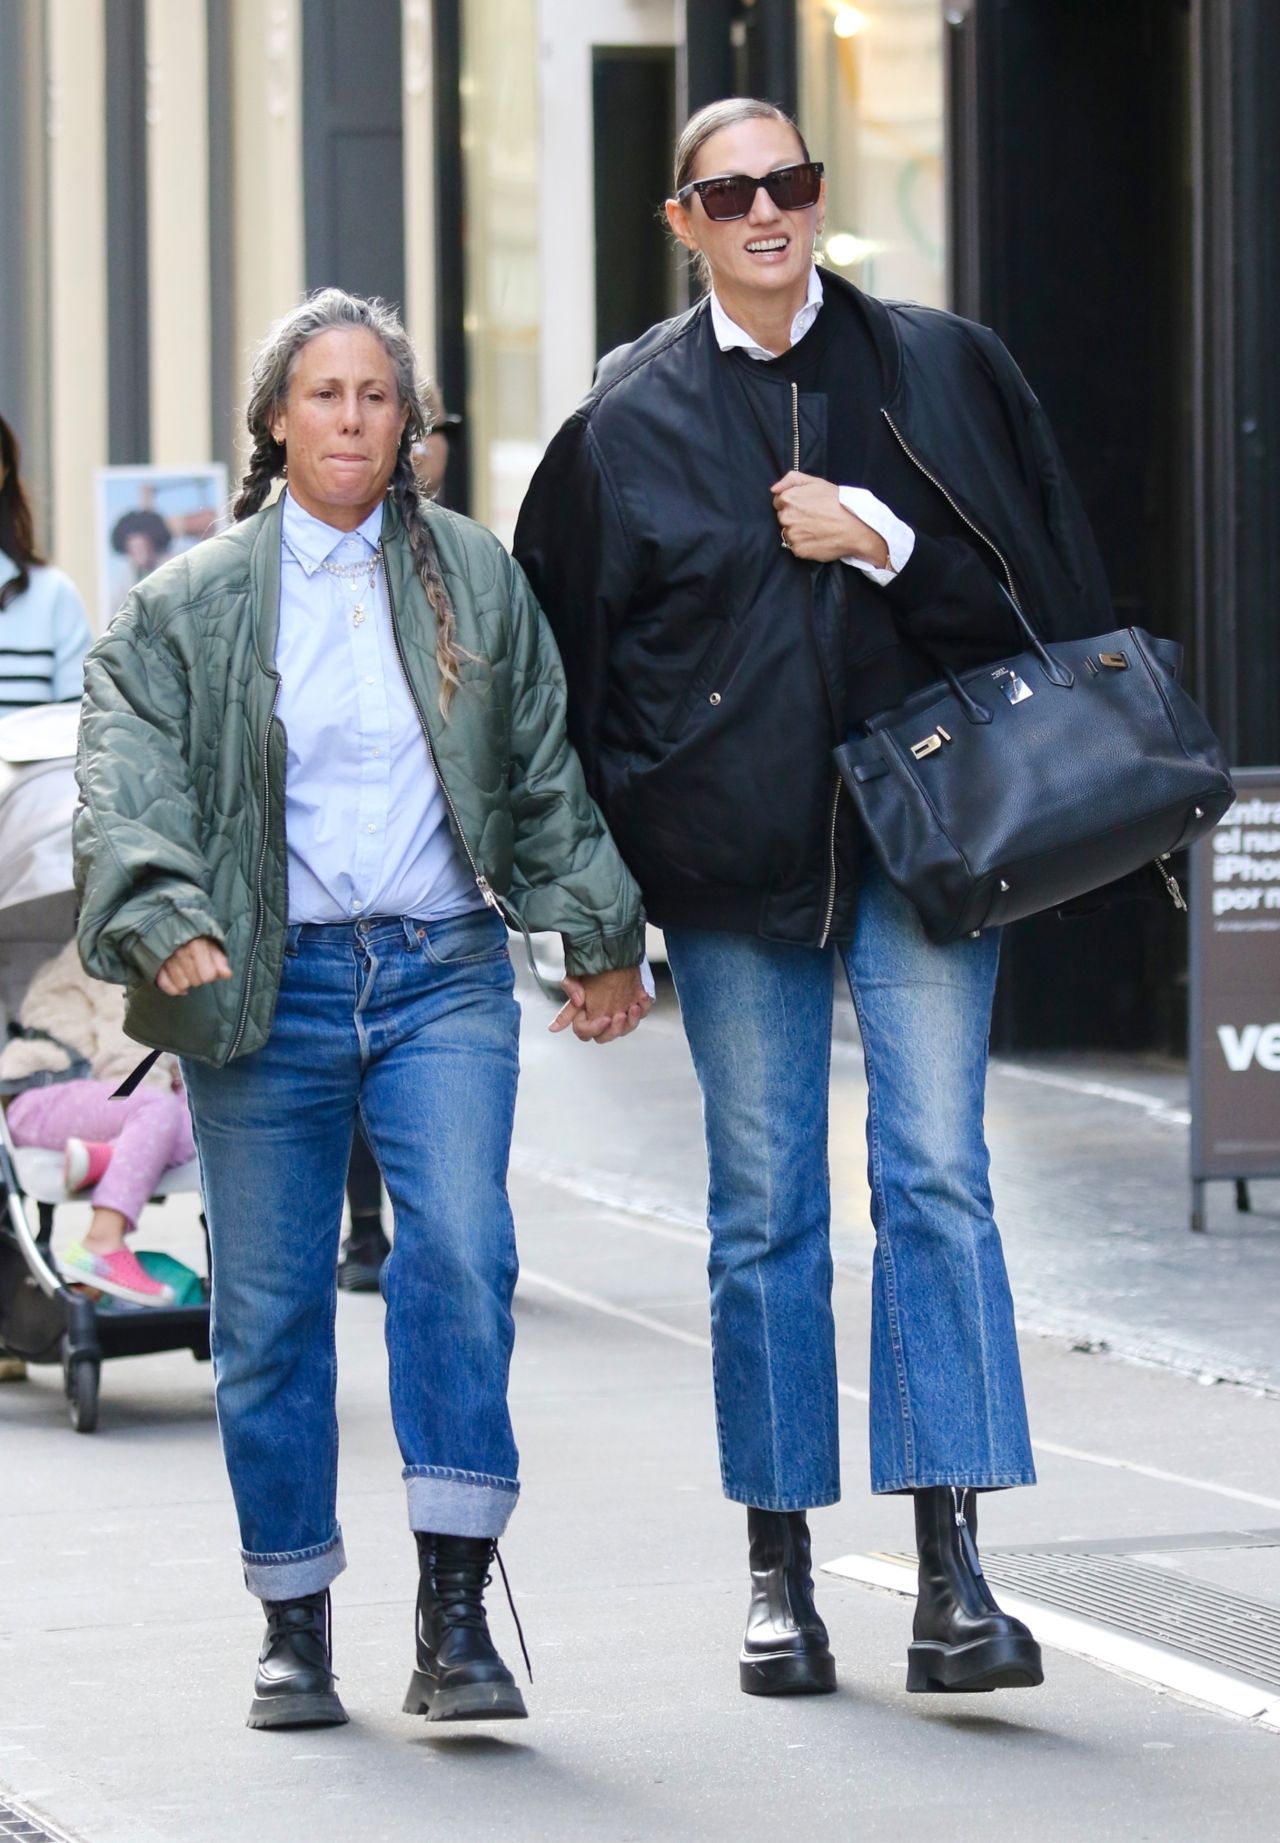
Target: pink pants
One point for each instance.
(151, 1131)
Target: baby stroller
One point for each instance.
(41, 1319)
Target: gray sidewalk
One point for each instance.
(127, 1641)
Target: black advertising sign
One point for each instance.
(1235, 986)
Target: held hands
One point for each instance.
(200, 962)
(603, 1006)
(817, 527)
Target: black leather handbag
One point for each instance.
(1021, 786)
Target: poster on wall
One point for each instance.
(1235, 990)
(145, 515)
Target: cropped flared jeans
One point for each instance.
(947, 1404)
(413, 1026)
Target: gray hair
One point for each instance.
(332, 310)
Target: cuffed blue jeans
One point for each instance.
(413, 1025)
(947, 1405)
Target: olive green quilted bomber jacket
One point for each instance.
(180, 827)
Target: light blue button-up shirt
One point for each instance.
(366, 824)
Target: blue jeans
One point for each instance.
(946, 1387)
(413, 1026)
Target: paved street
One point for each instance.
(127, 1640)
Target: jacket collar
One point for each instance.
(880, 320)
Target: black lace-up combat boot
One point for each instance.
(962, 1641)
(460, 1676)
(294, 1684)
(785, 1650)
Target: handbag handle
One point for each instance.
(1056, 673)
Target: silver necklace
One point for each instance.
(353, 574)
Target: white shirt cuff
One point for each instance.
(899, 538)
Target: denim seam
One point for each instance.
(264, 1558)
(970, 1481)
(452, 1475)
(883, 1240)
(817, 1500)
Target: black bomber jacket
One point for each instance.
(705, 663)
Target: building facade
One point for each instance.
(1100, 184)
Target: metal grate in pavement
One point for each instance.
(1176, 1611)
(18, 1826)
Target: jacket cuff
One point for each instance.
(604, 953)
(148, 949)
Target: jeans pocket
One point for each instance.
(461, 940)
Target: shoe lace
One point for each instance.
(299, 1616)
(461, 1586)
(502, 1569)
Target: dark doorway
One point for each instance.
(1070, 234)
(634, 92)
(352, 138)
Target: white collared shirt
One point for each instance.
(899, 538)
(366, 825)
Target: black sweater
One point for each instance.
(949, 594)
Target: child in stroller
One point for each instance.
(70, 1056)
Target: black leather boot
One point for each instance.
(962, 1641)
(294, 1684)
(460, 1676)
(362, 1255)
(785, 1650)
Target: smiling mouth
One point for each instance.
(766, 246)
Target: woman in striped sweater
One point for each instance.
(44, 634)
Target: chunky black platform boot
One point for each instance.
(294, 1684)
(962, 1641)
(459, 1675)
(785, 1650)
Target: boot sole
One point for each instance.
(989, 1663)
(469, 1702)
(320, 1709)
(787, 1676)
(359, 1279)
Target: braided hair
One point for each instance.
(329, 310)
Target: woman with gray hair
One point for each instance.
(322, 754)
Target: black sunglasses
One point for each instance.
(792, 188)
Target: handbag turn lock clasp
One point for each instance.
(929, 745)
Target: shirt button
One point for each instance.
(356, 903)
(375, 751)
(368, 681)
(371, 828)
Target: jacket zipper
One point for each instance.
(835, 798)
(482, 882)
(934, 481)
(262, 858)
(831, 865)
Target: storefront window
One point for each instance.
(871, 101)
(500, 154)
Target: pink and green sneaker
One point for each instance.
(119, 1273)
